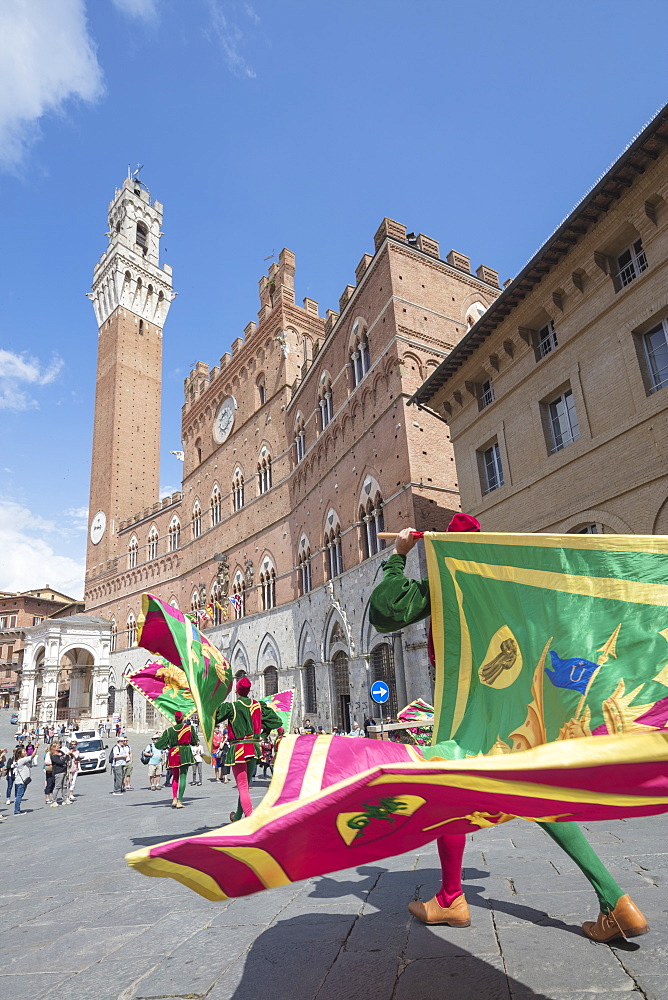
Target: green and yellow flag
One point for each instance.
(201, 676)
(540, 638)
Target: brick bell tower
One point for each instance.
(131, 296)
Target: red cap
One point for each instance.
(463, 522)
(178, 716)
(243, 684)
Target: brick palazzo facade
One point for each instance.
(557, 398)
(298, 448)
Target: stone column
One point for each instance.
(100, 682)
(49, 707)
(27, 694)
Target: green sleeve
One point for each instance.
(270, 720)
(164, 742)
(397, 600)
(224, 712)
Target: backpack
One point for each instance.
(111, 756)
(146, 755)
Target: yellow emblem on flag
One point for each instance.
(503, 662)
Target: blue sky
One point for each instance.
(301, 124)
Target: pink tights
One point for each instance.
(451, 853)
(240, 773)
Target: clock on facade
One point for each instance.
(98, 526)
(224, 420)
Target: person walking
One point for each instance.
(73, 769)
(267, 751)
(154, 761)
(22, 777)
(48, 777)
(9, 773)
(128, 768)
(60, 760)
(118, 759)
(197, 765)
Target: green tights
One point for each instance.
(571, 839)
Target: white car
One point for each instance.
(93, 755)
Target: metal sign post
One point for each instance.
(380, 693)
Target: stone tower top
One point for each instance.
(129, 274)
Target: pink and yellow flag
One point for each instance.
(551, 704)
(335, 803)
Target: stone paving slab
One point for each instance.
(77, 924)
(535, 955)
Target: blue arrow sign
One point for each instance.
(380, 692)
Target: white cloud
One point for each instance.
(29, 553)
(17, 369)
(47, 57)
(231, 36)
(145, 10)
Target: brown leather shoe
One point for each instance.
(624, 921)
(431, 912)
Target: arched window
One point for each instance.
(216, 501)
(304, 559)
(310, 701)
(198, 450)
(197, 520)
(239, 594)
(381, 664)
(334, 558)
(270, 681)
(264, 471)
(261, 390)
(114, 636)
(174, 533)
(474, 312)
(142, 236)
(268, 585)
(195, 601)
(131, 626)
(133, 549)
(371, 522)
(300, 438)
(237, 489)
(359, 354)
(153, 543)
(325, 400)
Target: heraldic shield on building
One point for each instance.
(298, 448)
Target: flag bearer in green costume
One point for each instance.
(246, 721)
(398, 601)
(178, 741)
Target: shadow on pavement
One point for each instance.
(305, 956)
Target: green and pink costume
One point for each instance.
(178, 741)
(246, 721)
(399, 601)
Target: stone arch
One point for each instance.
(307, 646)
(239, 659)
(268, 653)
(660, 526)
(615, 524)
(413, 361)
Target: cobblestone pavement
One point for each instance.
(77, 924)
